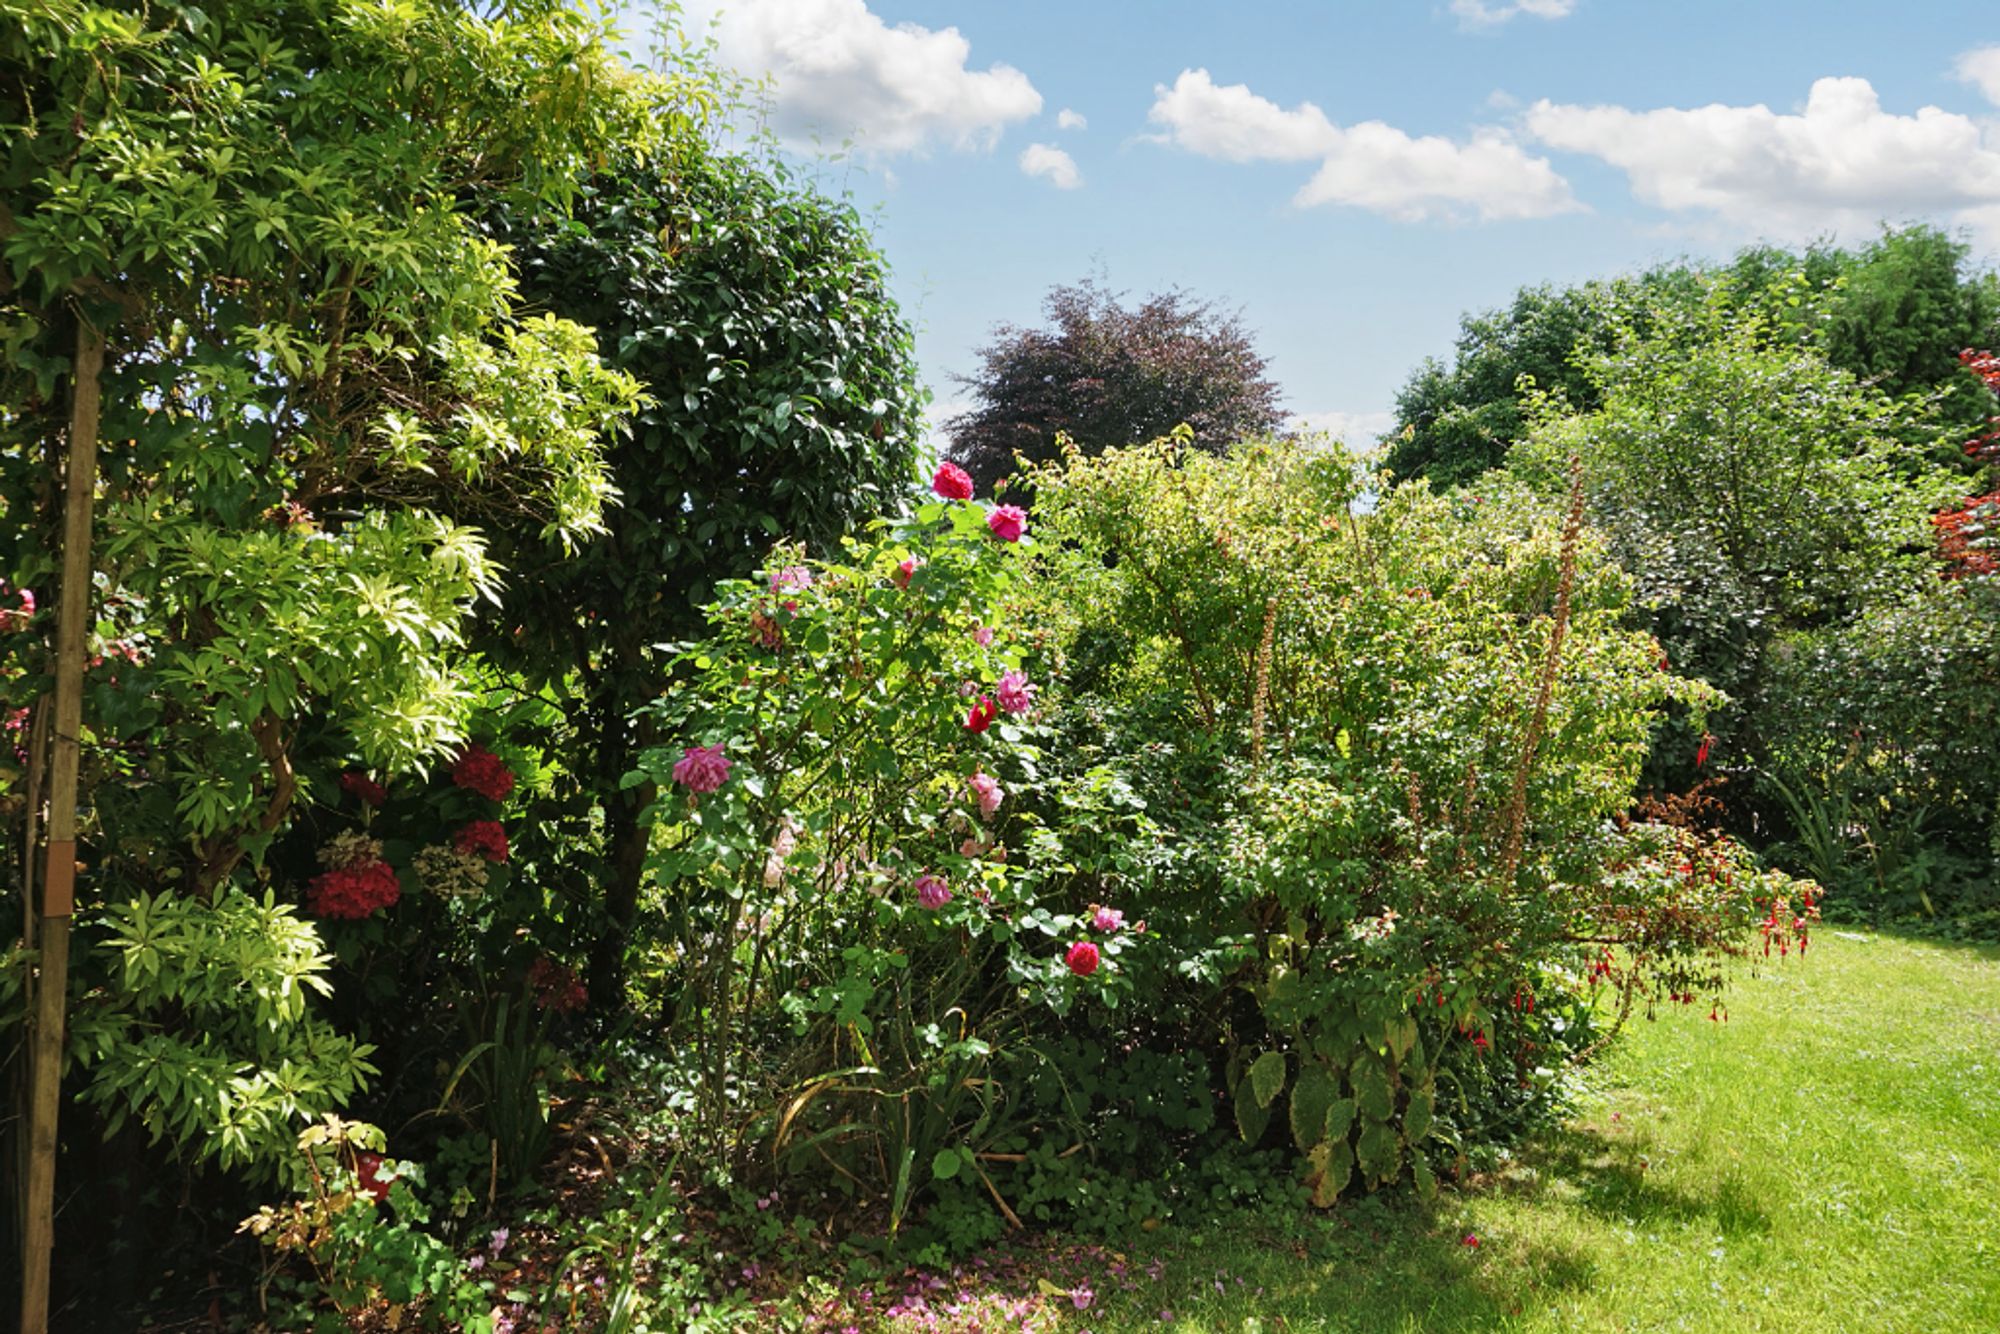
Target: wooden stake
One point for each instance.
(59, 879)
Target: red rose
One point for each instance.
(952, 482)
(982, 715)
(1082, 958)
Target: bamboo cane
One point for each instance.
(59, 879)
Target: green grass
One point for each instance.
(1828, 1160)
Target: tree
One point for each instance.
(1894, 314)
(783, 402)
(1107, 375)
(310, 361)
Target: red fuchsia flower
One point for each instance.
(983, 635)
(906, 571)
(480, 770)
(982, 715)
(353, 892)
(702, 769)
(1082, 958)
(986, 790)
(932, 891)
(791, 577)
(1701, 751)
(484, 838)
(1007, 522)
(1016, 695)
(1107, 919)
(952, 482)
(558, 988)
(1471, 1241)
(357, 784)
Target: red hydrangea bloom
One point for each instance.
(952, 482)
(358, 784)
(702, 769)
(353, 892)
(556, 986)
(1082, 958)
(982, 715)
(485, 838)
(482, 771)
(1007, 522)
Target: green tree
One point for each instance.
(316, 369)
(783, 402)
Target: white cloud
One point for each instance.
(1484, 13)
(1371, 165)
(1070, 120)
(1840, 162)
(839, 71)
(1050, 161)
(1981, 68)
(1359, 429)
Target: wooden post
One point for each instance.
(59, 877)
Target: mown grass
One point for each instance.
(1827, 1160)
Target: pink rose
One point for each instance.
(987, 791)
(1016, 695)
(932, 891)
(702, 769)
(1007, 522)
(952, 482)
(1107, 919)
(983, 635)
(906, 571)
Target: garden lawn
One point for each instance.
(1829, 1159)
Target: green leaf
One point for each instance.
(1251, 1117)
(1313, 1093)
(945, 1166)
(1379, 1152)
(1330, 1166)
(1267, 1076)
(1374, 1092)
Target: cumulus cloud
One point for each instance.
(1841, 161)
(838, 71)
(1485, 13)
(1981, 69)
(1050, 161)
(1070, 120)
(1371, 165)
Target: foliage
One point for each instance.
(783, 402)
(1107, 375)
(1894, 314)
(1753, 490)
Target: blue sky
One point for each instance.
(1353, 174)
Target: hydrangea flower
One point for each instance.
(353, 892)
(1007, 522)
(952, 482)
(485, 838)
(357, 784)
(702, 769)
(480, 770)
(1082, 958)
(932, 891)
(1016, 695)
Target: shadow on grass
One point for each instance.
(1613, 1180)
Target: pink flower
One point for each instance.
(27, 602)
(932, 891)
(987, 791)
(906, 571)
(792, 576)
(702, 768)
(984, 635)
(1471, 1241)
(358, 784)
(1107, 919)
(484, 838)
(982, 715)
(952, 482)
(1007, 522)
(1016, 695)
(1082, 958)
(481, 770)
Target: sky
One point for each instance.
(1353, 175)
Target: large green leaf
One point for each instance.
(1379, 1152)
(1251, 1117)
(1312, 1094)
(1267, 1076)
(1374, 1090)
(1329, 1168)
